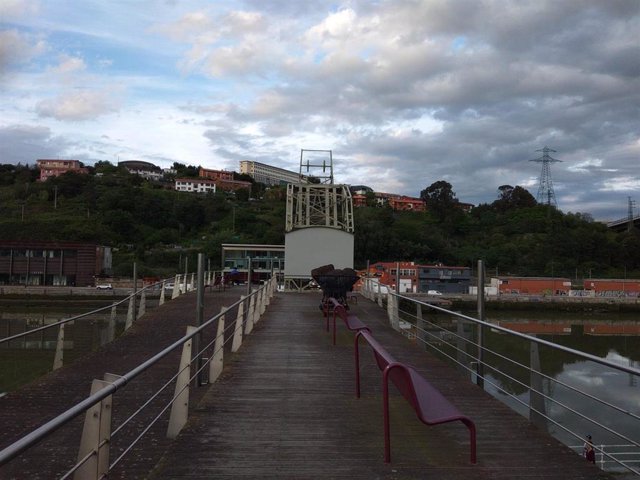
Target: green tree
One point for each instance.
(440, 199)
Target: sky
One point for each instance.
(403, 93)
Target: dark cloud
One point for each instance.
(26, 143)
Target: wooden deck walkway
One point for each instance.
(285, 408)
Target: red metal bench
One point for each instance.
(431, 407)
(353, 323)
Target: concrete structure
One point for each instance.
(533, 285)
(52, 263)
(143, 169)
(319, 224)
(268, 174)
(310, 248)
(55, 168)
(197, 185)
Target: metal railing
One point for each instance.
(97, 437)
(463, 341)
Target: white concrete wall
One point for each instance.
(309, 248)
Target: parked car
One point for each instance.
(433, 292)
(104, 286)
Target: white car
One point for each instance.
(104, 286)
(433, 292)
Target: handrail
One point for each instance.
(394, 312)
(82, 315)
(584, 355)
(62, 419)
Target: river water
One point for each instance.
(568, 381)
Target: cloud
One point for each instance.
(404, 92)
(77, 105)
(26, 143)
(17, 48)
(14, 9)
(68, 65)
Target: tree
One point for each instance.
(440, 199)
(513, 198)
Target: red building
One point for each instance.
(52, 263)
(223, 179)
(534, 285)
(54, 168)
(612, 287)
(215, 174)
(386, 272)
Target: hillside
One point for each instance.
(157, 226)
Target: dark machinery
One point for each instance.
(335, 283)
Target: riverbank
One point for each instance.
(540, 302)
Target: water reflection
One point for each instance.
(617, 341)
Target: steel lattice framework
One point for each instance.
(546, 195)
(322, 204)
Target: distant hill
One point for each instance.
(159, 227)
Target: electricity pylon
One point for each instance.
(546, 195)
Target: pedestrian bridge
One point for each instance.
(277, 401)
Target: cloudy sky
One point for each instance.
(405, 93)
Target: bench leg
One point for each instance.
(387, 432)
(472, 439)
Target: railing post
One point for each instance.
(197, 340)
(111, 328)
(537, 409)
(143, 304)
(180, 405)
(129, 321)
(396, 312)
(162, 299)
(421, 326)
(251, 314)
(267, 293)
(59, 356)
(176, 287)
(248, 325)
(263, 302)
(379, 294)
(217, 361)
(480, 340)
(96, 430)
(237, 332)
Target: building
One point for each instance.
(52, 263)
(55, 168)
(396, 202)
(224, 180)
(444, 279)
(403, 203)
(532, 285)
(143, 169)
(264, 259)
(215, 174)
(386, 272)
(612, 287)
(195, 185)
(269, 175)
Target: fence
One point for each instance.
(508, 365)
(201, 361)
